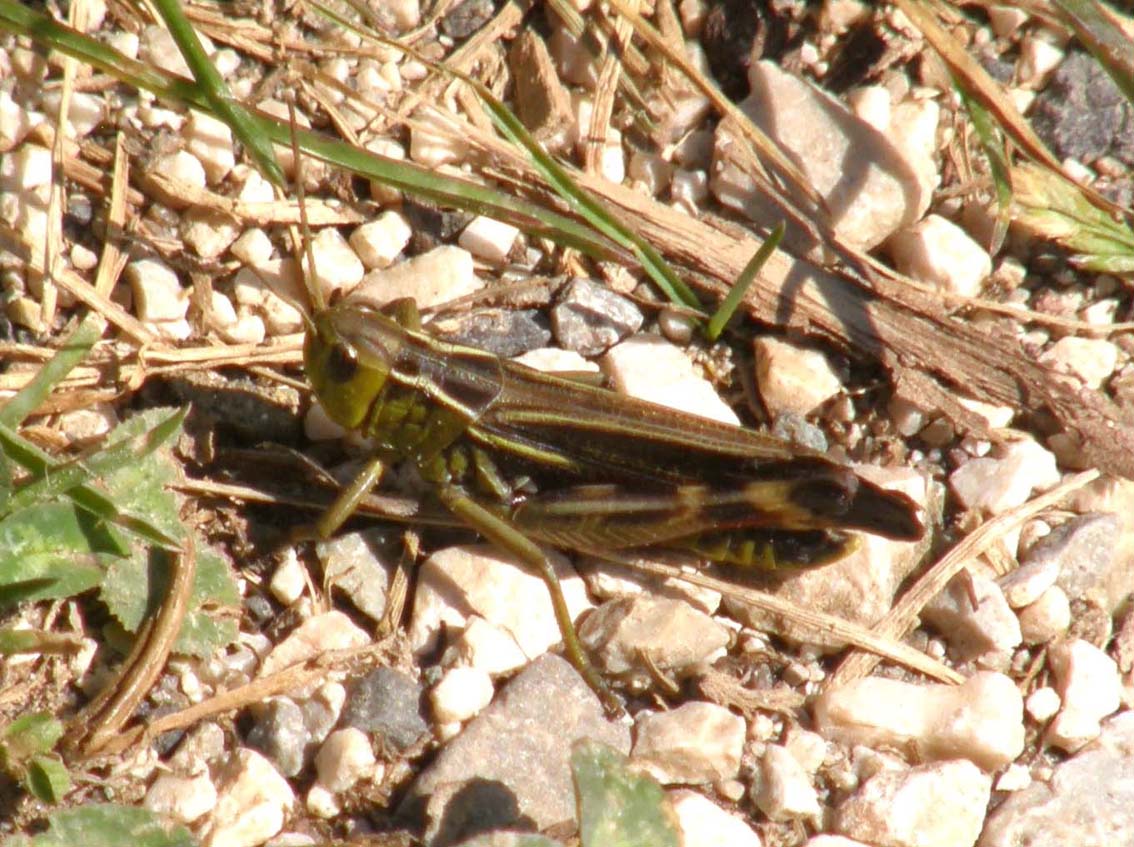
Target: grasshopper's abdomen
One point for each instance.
(772, 549)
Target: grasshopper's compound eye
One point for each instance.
(342, 364)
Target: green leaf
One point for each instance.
(135, 587)
(1053, 207)
(52, 550)
(110, 825)
(618, 808)
(115, 455)
(141, 487)
(36, 461)
(47, 779)
(30, 735)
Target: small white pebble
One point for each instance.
(940, 253)
(1042, 704)
(222, 314)
(489, 239)
(16, 121)
(322, 803)
(995, 485)
(181, 166)
(379, 242)
(83, 258)
(280, 317)
(461, 693)
(784, 791)
(650, 171)
(256, 189)
(1016, 777)
(337, 266)
(157, 47)
(275, 276)
(652, 369)
(689, 189)
(1038, 58)
(343, 759)
(444, 273)
(705, 824)
(210, 140)
(697, 742)
(183, 799)
(252, 247)
(1048, 617)
(289, 579)
(1006, 20)
(248, 329)
(792, 378)
(209, 233)
(556, 360)
(872, 104)
(1092, 360)
(158, 295)
(1090, 687)
(996, 417)
(318, 426)
(26, 169)
(908, 418)
(488, 648)
(435, 140)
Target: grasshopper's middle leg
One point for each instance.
(507, 537)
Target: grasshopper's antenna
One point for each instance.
(302, 246)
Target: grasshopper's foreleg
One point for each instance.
(508, 538)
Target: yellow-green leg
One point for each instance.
(508, 538)
(343, 507)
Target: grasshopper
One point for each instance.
(522, 457)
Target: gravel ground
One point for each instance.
(972, 687)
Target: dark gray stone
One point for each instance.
(280, 733)
(1082, 113)
(792, 427)
(386, 704)
(502, 332)
(590, 318)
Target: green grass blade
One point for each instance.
(992, 142)
(587, 206)
(583, 202)
(74, 349)
(735, 296)
(405, 176)
(214, 90)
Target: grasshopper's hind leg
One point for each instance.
(508, 538)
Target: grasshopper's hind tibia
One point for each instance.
(507, 537)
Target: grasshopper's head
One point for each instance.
(348, 358)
